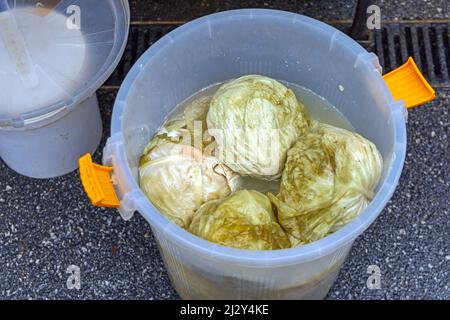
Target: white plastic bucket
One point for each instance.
(54, 55)
(220, 47)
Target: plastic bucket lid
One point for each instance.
(56, 53)
(225, 45)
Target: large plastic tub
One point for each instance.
(54, 55)
(220, 47)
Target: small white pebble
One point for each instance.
(8, 188)
(341, 88)
(433, 134)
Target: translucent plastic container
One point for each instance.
(227, 45)
(54, 55)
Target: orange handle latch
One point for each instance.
(97, 183)
(408, 84)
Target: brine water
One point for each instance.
(316, 106)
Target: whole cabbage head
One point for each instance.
(244, 220)
(178, 178)
(329, 178)
(254, 121)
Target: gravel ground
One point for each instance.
(319, 9)
(47, 226)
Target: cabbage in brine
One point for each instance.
(255, 120)
(244, 220)
(329, 178)
(178, 178)
(197, 111)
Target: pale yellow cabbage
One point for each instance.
(197, 111)
(178, 178)
(329, 178)
(171, 138)
(195, 117)
(255, 120)
(244, 220)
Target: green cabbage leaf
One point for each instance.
(244, 220)
(330, 177)
(254, 121)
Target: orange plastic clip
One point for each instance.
(407, 83)
(97, 183)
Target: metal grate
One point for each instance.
(140, 38)
(428, 44)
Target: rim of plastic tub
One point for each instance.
(303, 253)
(55, 111)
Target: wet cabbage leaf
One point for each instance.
(329, 179)
(255, 120)
(197, 111)
(178, 178)
(244, 220)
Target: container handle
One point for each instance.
(97, 183)
(408, 84)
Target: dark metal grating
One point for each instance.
(428, 44)
(140, 39)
